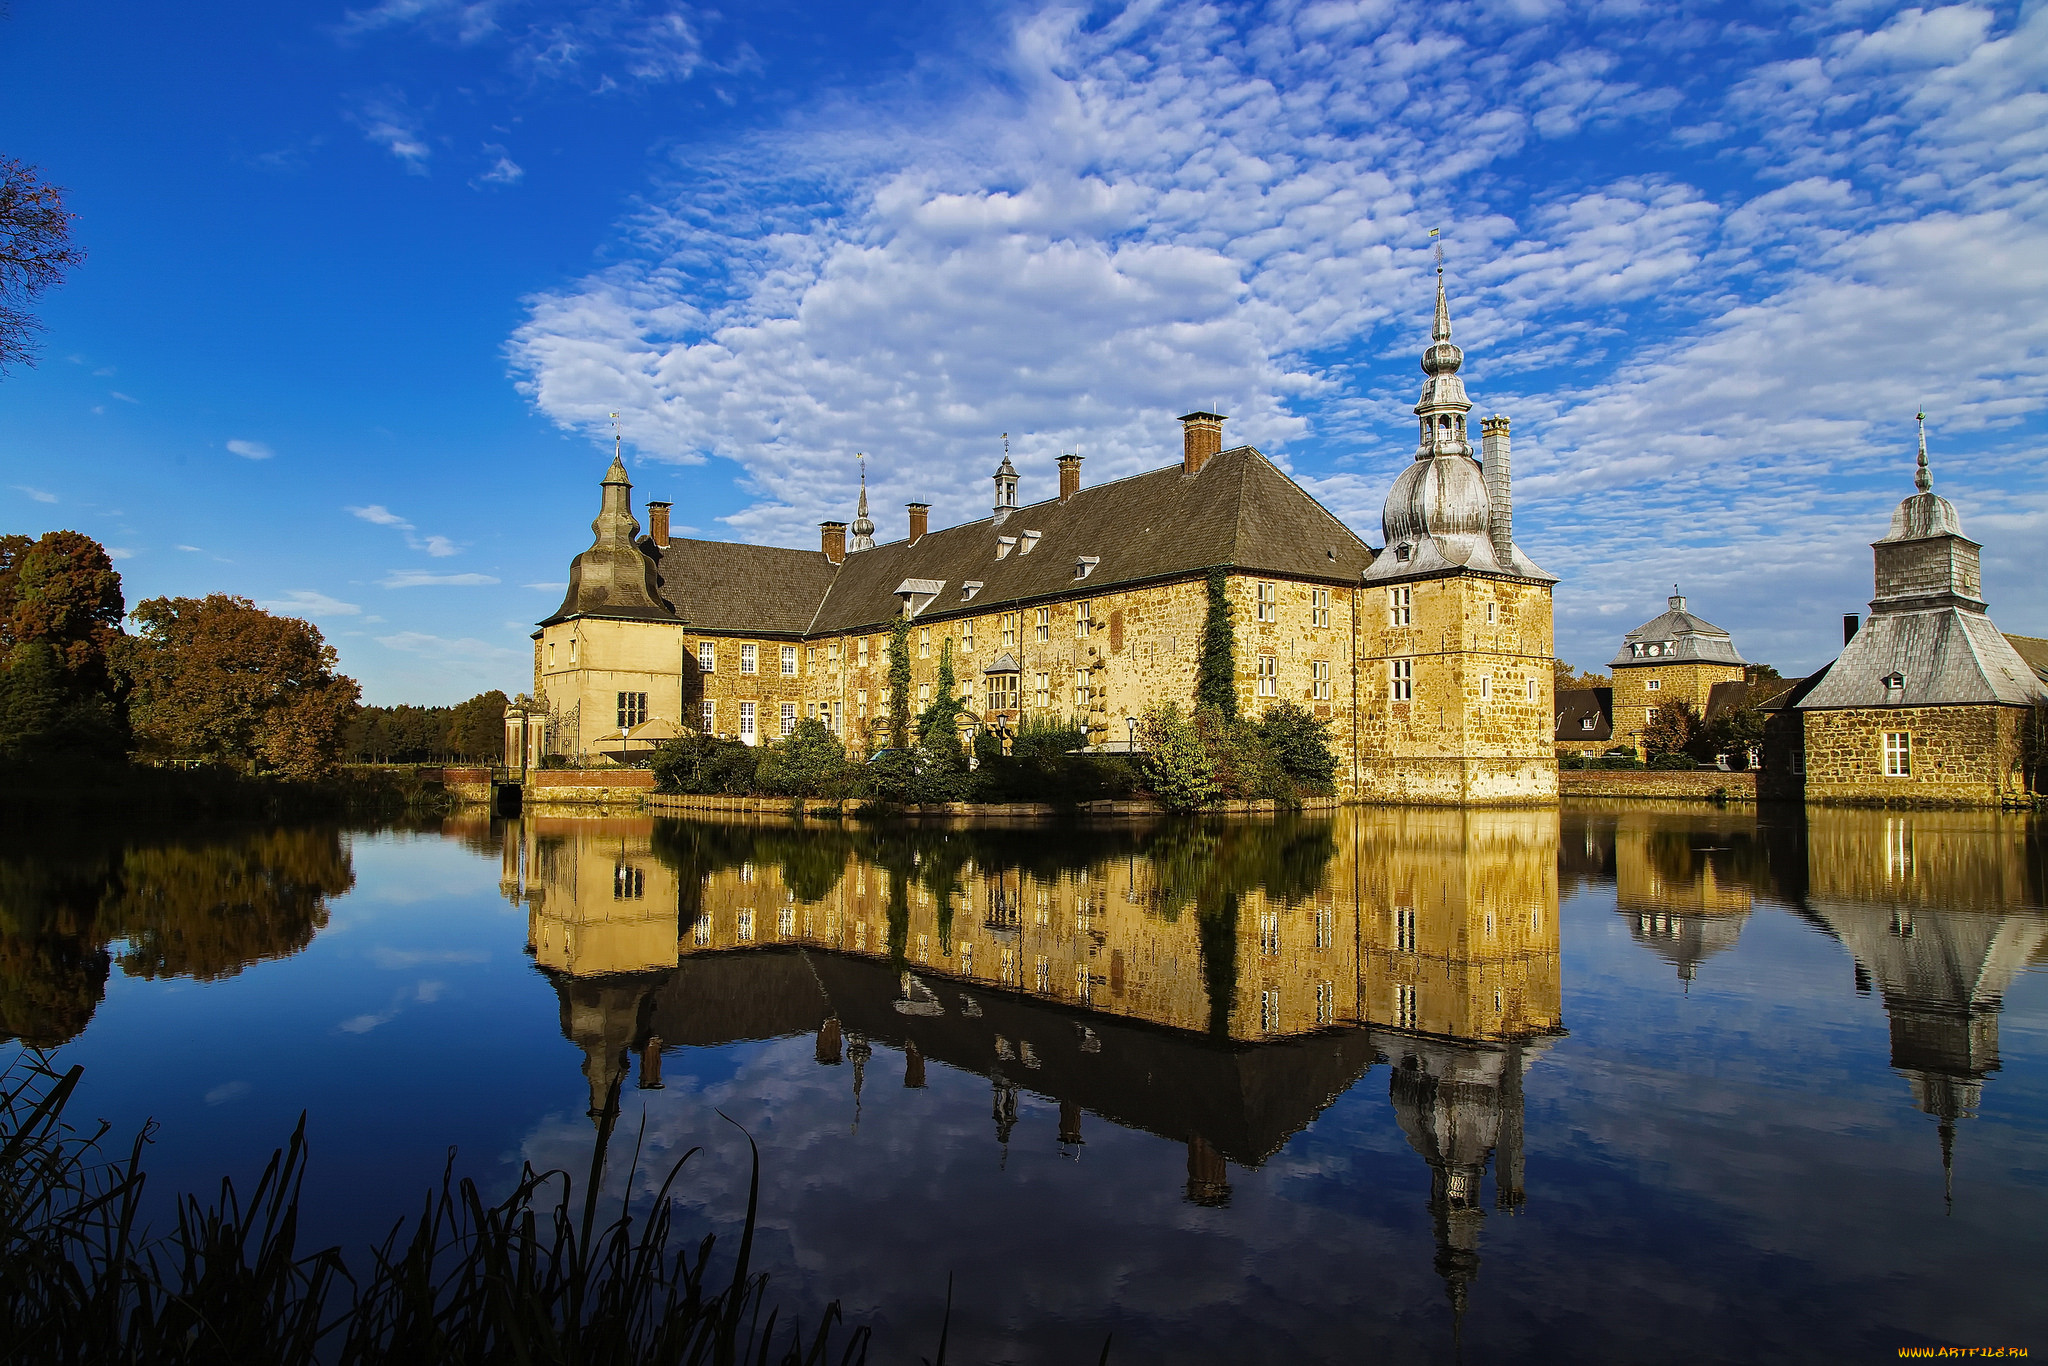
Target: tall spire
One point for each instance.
(863, 525)
(1442, 331)
(1444, 405)
(1923, 478)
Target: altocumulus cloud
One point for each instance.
(1177, 205)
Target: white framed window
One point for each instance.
(967, 637)
(710, 716)
(1002, 691)
(860, 705)
(1041, 690)
(1400, 606)
(1084, 689)
(924, 696)
(1898, 754)
(1319, 607)
(1269, 933)
(1269, 676)
(707, 656)
(1009, 969)
(839, 718)
(1404, 1006)
(1319, 677)
(811, 657)
(789, 661)
(924, 642)
(861, 652)
(1269, 1010)
(1084, 620)
(1404, 929)
(1649, 716)
(1485, 687)
(1401, 673)
(1489, 614)
(924, 948)
(832, 652)
(632, 709)
(788, 718)
(750, 659)
(1268, 602)
(1530, 688)
(1656, 685)
(1009, 629)
(747, 731)
(1043, 629)
(572, 649)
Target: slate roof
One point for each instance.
(2033, 651)
(1240, 512)
(1946, 656)
(1690, 640)
(1576, 706)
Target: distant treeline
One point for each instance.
(472, 730)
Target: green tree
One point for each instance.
(941, 771)
(1564, 678)
(1301, 744)
(811, 762)
(35, 252)
(1176, 762)
(476, 728)
(1216, 678)
(217, 678)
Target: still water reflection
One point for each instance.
(1678, 1083)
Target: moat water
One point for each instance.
(1622, 1083)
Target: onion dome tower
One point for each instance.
(615, 577)
(1445, 512)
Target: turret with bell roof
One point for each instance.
(1445, 512)
(615, 577)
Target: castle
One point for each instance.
(1430, 658)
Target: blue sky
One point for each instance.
(365, 283)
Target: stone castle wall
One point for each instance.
(1634, 694)
(1960, 755)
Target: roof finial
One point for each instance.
(1923, 478)
(1442, 330)
(616, 438)
(863, 525)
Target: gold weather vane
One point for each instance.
(1006, 445)
(1435, 235)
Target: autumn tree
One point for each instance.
(35, 252)
(60, 612)
(217, 678)
(1675, 730)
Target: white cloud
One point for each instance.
(251, 450)
(116, 393)
(550, 587)
(379, 515)
(502, 171)
(466, 649)
(440, 547)
(389, 122)
(600, 44)
(40, 495)
(413, 578)
(306, 602)
(117, 552)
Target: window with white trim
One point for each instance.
(789, 661)
(700, 931)
(1401, 673)
(861, 653)
(750, 659)
(924, 696)
(1044, 974)
(785, 922)
(1269, 676)
(632, 709)
(1530, 688)
(1319, 678)
(1656, 685)
(710, 715)
(1084, 620)
(1489, 613)
(707, 656)
(1043, 628)
(788, 717)
(1009, 629)
(747, 731)
(1898, 754)
(924, 642)
(1319, 607)
(967, 637)
(1400, 606)
(1268, 602)
(1485, 687)
(1084, 688)
(1041, 691)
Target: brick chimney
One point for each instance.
(1070, 476)
(1201, 437)
(657, 523)
(832, 540)
(920, 521)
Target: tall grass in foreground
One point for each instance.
(529, 1279)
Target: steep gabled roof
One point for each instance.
(1940, 657)
(1576, 706)
(2033, 651)
(756, 589)
(1239, 511)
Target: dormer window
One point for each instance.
(1894, 685)
(1004, 545)
(1402, 552)
(969, 589)
(1029, 543)
(1085, 565)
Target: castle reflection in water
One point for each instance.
(1217, 985)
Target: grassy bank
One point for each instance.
(533, 1277)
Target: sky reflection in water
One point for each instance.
(1625, 1083)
